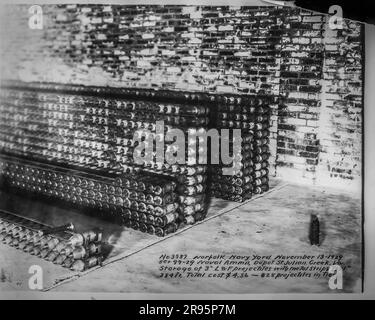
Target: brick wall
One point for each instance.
(276, 51)
(300, 94)
(340, 123)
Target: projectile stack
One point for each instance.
(63, 129)
(76, 251)
(99, 130)
(192, 177)
(261, 151)
(250, 115)
(192, 193)
(143, 202)
(152, 117)
(151, 205)
(237, 186)
(110, 150)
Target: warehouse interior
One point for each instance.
(306, 77)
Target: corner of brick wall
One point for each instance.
(300, 90)
(340, 125)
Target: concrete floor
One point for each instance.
(274, 223)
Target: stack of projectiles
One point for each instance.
(153, 118)
(192, 176)
(250, 115)
(95, 132)
(140, 201)
(77, 251)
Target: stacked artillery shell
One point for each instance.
(83, 143)
(77, 128)
(239, 185)
(71, 250)
(250, 175)
(152, 205)
(261, 152)
(173, 111)
(192, 193)
(178, 112)
(192, 177)
(132, 200)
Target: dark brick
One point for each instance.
(308, 154)
(312, 148)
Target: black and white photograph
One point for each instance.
(171, 148)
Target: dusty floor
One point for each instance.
(273, 224)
